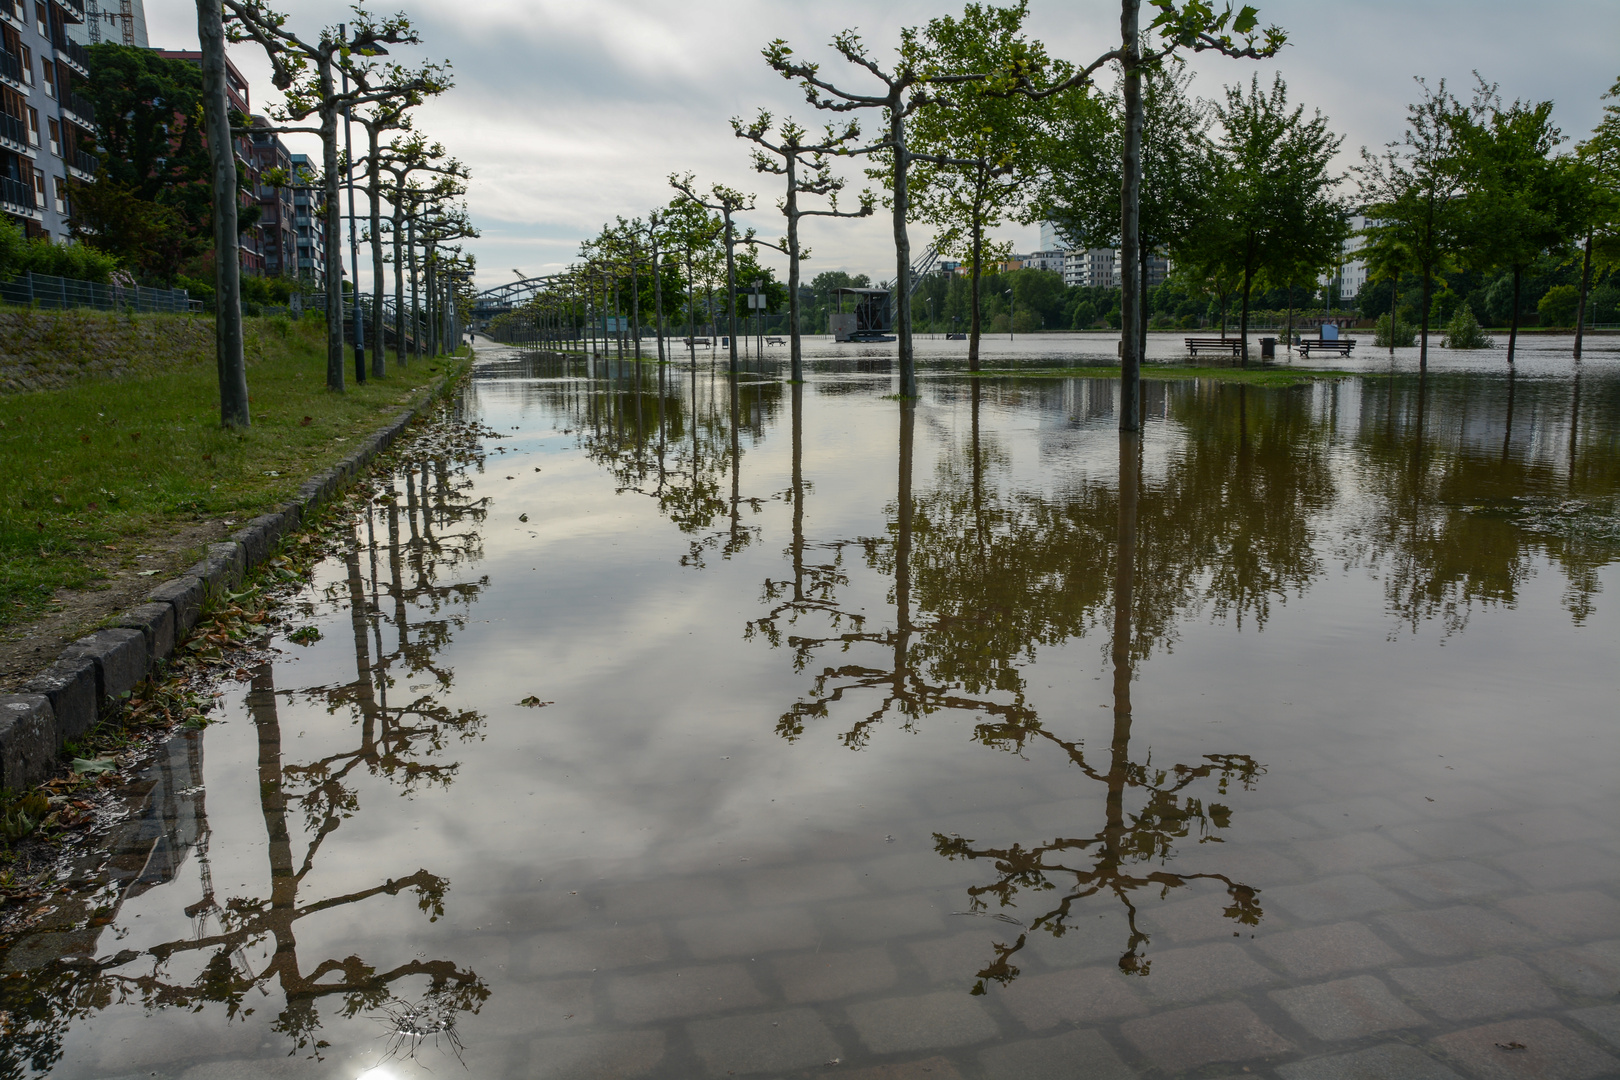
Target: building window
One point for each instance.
(39, 189)
(61, 195)
(50, 78)
(33, 126)
(42, 19)
(56, 136)
(27, 55)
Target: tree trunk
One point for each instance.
(334, 237)
(416, 297)
(1243, 318)
(731, 290)
(233, 389)
(791, 209)
(1423, 298)
(691, 313)
(974, 322)
(1513, 325)
(1130, 446)
(658, 314)
(379, 343)
(902, 253)
(1130, 195)
(1586, 284)
(399, 287)
(635, 308)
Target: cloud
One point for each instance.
(570, 114)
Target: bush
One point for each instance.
(1463, 332)
(18, 255)
(1557, 308)
(1405, 333)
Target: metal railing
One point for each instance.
(17, 193)
(81, 106)
(75, 53)
(13, 128)
(74, 6)
(85, 163)
(46, 291)
(11, 66)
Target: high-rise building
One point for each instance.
(45, 123)
(1051, 239)
(122, 22)
(309, 235)
(276, 232)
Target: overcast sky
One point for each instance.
(570, 112)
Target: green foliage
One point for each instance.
(1405, 333)
(21, 815)
(1557, 307)
(19, 254)
(1463, 332)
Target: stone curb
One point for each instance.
(87, 680)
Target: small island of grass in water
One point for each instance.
(1254, 376)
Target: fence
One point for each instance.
(43, 290)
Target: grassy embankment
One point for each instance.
(1252, 376)
(98, 469)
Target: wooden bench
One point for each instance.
(776, 341)
(1231, 346)
(1342, 346)
(698, 341)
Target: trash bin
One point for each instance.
(1268, 348)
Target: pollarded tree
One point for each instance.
(1411, 196)
(786, 157)
(308, 73)
(728, 202)
(1518, 202)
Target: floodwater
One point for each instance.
(662, 726)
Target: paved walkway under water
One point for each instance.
(668, 727)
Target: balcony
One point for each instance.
(82, 165)
(75, 54)
(14, 134)
(18, 197)
(77, 107)
(11, 71)
(72, 10)
(12, 12)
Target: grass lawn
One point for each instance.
(100, 467)
(1253, 376)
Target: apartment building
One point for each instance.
(307, 232)
(1098, 268)
(240, 99)
(276, 235)
(45, 123)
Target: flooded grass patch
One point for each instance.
(1251, 376)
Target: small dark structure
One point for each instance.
(872, 317)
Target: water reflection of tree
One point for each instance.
(984, 572)
(678, 439)
(399, 743)
(1469, 481)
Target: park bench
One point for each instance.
(699, 341)
(1342, 346)
(775, 341)
(1231, 346)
